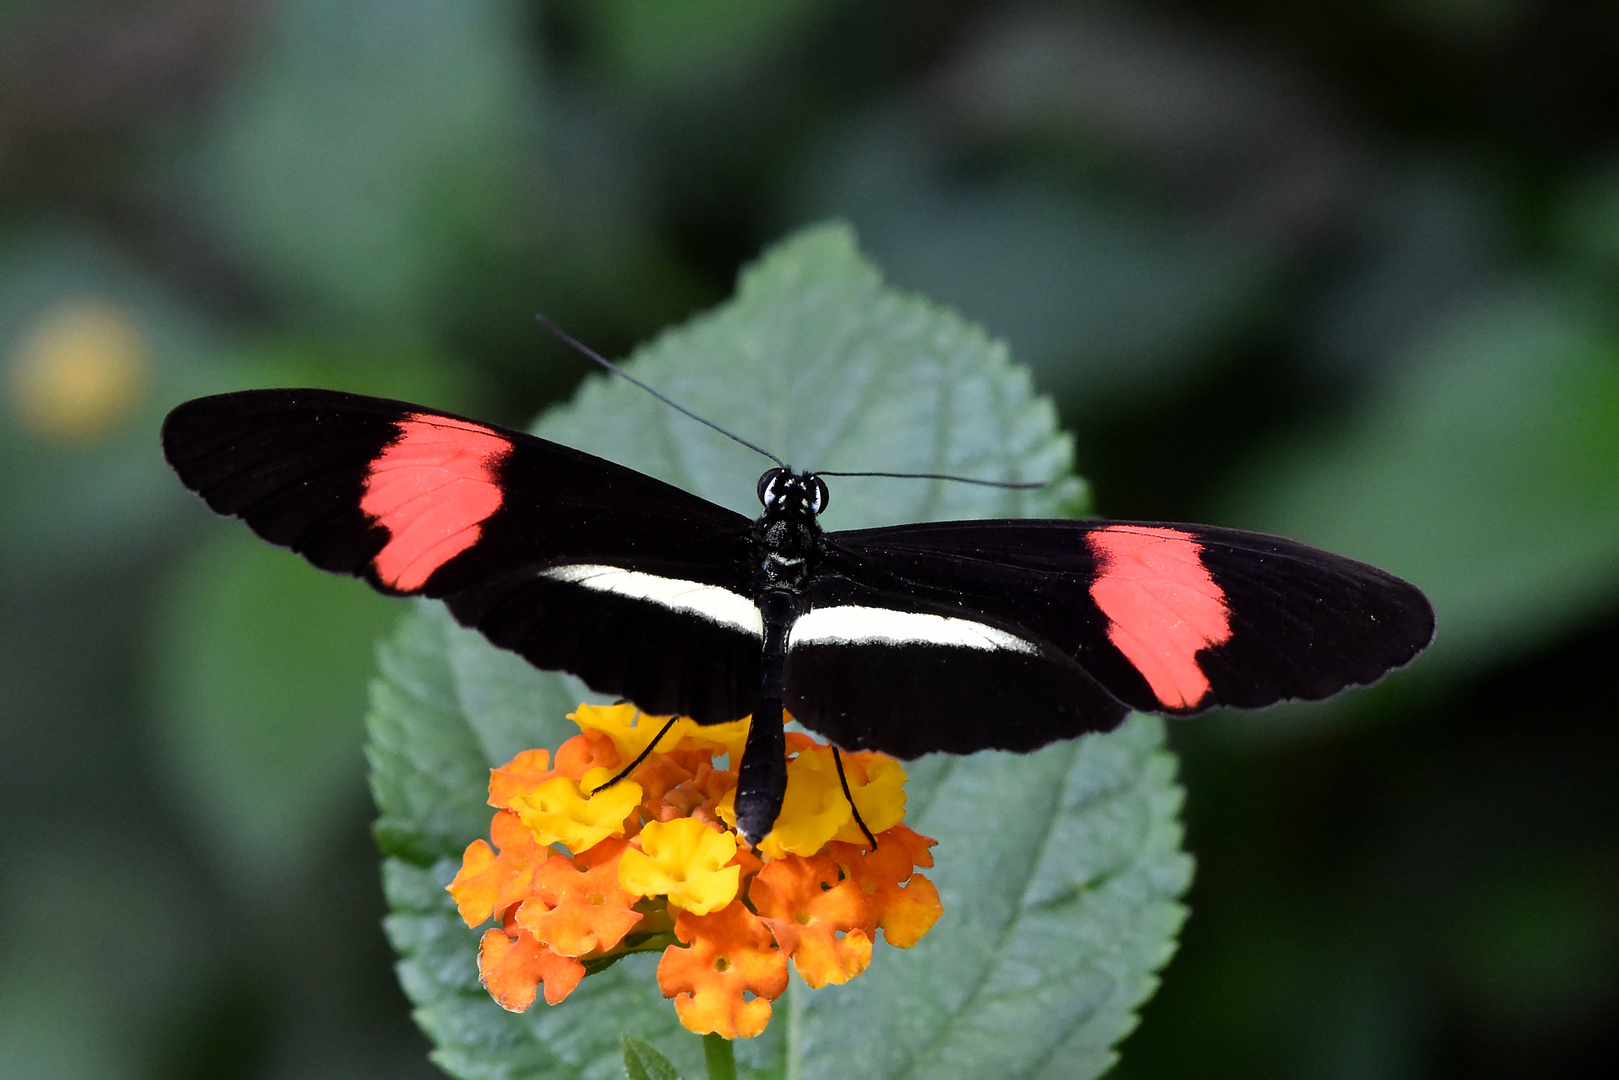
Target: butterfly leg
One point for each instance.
(642, 756)
(837, 759)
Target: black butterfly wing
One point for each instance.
(574, 562)
(1011, 634)
(879, 669)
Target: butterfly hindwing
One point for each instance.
(662, 657)
(881, 670)
(572, 561)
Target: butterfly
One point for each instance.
(951, 636)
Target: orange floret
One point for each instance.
(903, 903)
(575, 911)
(657, 775)
(731, 954)
(585, 751)
(917, 848)
(512, 965)
(820, 920)
(490, 883)
(519, 776)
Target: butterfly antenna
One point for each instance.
(587, 351)
(1014, 485)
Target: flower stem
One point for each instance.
(720, 1058)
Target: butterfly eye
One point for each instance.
(767, 486)
(819, 495)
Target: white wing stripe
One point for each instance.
(710, 602)
(868, 625)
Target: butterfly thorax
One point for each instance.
(787, 537)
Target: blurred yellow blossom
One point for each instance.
(79, 369)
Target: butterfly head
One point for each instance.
(783, 491)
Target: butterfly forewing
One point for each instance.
(292, 464)
(1166, 618)
(572, 561)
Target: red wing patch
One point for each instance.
(1162, 607)
(432, 487)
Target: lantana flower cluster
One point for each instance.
(577, 874)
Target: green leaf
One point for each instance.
(1059, 870)
(642, 1062)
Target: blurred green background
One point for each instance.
(1346, 270)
